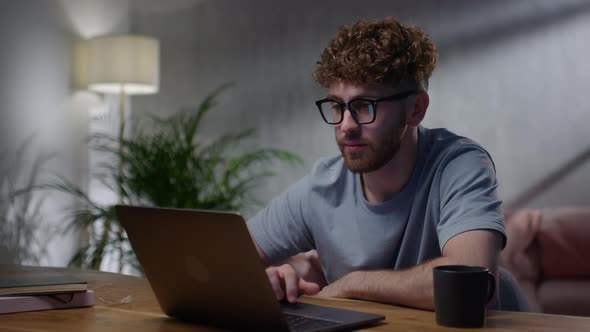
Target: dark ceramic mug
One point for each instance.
(461, 294)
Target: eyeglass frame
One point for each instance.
(353, 112)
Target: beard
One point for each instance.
(377, 153)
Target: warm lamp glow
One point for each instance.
(123, 63)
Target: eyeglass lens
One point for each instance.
(363, 111)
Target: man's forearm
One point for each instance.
(411, 287)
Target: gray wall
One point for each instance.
(512, 75)
(38, 96)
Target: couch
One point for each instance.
(546, 252)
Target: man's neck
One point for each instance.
(386, 182)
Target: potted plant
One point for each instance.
(167, 167)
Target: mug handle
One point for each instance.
(491, 286)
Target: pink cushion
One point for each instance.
(565, 296)
(564, 242)
(521, 254)
(545, 251)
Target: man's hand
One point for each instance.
(287, 283)
(335, 289)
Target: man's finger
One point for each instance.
(308, 288)
(275, 282)
(291, 281)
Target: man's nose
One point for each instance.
(348, 122)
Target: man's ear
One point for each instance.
(416, 115)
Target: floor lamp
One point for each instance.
(123, 65)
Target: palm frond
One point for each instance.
(167, 165)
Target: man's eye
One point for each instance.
(362, 106)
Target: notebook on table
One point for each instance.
(22, 303)
(203, 267)
(36, 283)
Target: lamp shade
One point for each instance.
(123, 62)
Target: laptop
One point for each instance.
(203, 267)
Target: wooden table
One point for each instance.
(126, 303)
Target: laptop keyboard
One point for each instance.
(303, 323)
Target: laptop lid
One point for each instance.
(190, 260)
(203, 266)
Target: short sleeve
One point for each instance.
(280, 229)
(468, 195)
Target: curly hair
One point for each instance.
(372, 52)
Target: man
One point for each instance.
(400, 200)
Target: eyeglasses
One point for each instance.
(363, 110)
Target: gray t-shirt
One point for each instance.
(452, 190)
